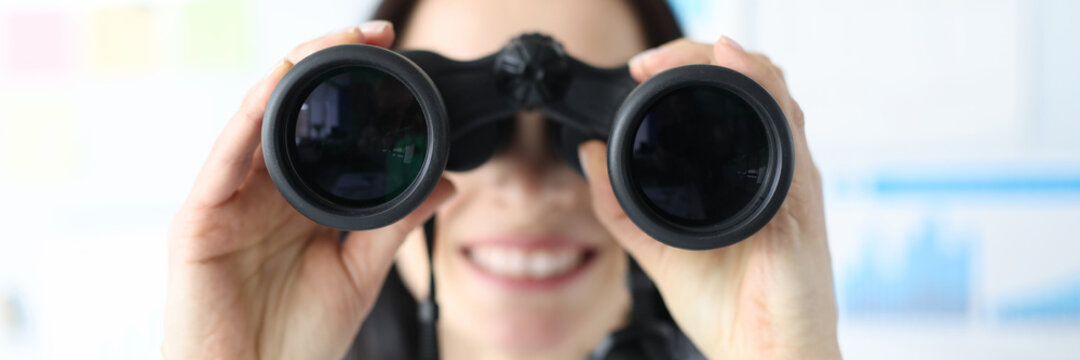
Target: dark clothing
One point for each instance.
(391, 331)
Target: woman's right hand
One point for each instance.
(249, 276)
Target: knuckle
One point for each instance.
(760, 74)
(797, 118)
(681, 42)
(761, 58)
(702, 47)
(194, 233)
(252, 112)
(684, 44)
(297, 48)
(765, 65)
(779, 71)
(300, 49)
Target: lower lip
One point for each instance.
(527, 284)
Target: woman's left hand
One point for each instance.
(768, 297)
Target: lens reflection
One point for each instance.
(360, 137)
(699, 155)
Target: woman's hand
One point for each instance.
(767, 297)
(249, 277)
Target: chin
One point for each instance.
(531, 333)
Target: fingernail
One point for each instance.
(581, 161)
(274, 68)
(731, 42)
(343, 30)
(640, 58)
(374, 27)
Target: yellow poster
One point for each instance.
(123, 38)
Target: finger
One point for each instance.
(676, 53)
(368, 254)
(593, 157)
(227, 165)
(729, 54)
(258, 184)
(806, 183)
(766, 60)
(378, 33)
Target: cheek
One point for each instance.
(494, 195)
(459, 208)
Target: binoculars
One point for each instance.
(355, 137)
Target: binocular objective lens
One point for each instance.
(699, 155)
(360, 138)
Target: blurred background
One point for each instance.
(946, 132)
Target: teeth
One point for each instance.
(520, 263)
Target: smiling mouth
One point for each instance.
(529, 267)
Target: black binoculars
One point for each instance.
(355, 137)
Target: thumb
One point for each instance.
(644, 249)
(368, 254)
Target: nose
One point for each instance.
(529, 173)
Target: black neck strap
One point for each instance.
(428, 311)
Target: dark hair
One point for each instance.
(657, 21)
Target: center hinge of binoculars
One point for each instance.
(533, 69)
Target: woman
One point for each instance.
(252, 278)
